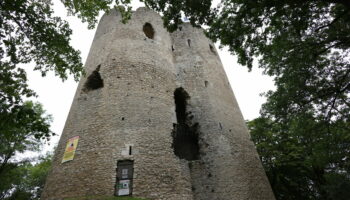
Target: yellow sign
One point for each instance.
(72, 145)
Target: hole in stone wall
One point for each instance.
(189, 42)
(185, 133)
(94, 81)
(180, 28)
(148, 30)
(172, 48)
(206, 83)
(220, 125)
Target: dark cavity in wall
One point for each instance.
(148, 30)
(94, 81)
(206, 83)
(185, 133)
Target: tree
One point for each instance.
(29, 36)
(26, 180)
(23, 129)
(302, 158)
(29, 33)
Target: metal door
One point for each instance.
(125, 172)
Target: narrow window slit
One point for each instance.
(189, 42)
(130, 150)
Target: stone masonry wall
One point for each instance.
(136, 107)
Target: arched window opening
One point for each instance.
(189, 42)
(148, 30)
(185, 133)
(94, 81)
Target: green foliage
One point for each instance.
(24, 181)
(304, 45)
(29, 35)
(23, 127)
(87, 10)
(305, 158)
(198, 11)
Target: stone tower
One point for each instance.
(156, 118)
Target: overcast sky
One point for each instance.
(57, 96)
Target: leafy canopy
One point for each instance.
(30, 33)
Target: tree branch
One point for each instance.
(333, 21)
(345, 3)
(3, 164)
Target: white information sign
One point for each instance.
(124, 173)
(124, 187)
